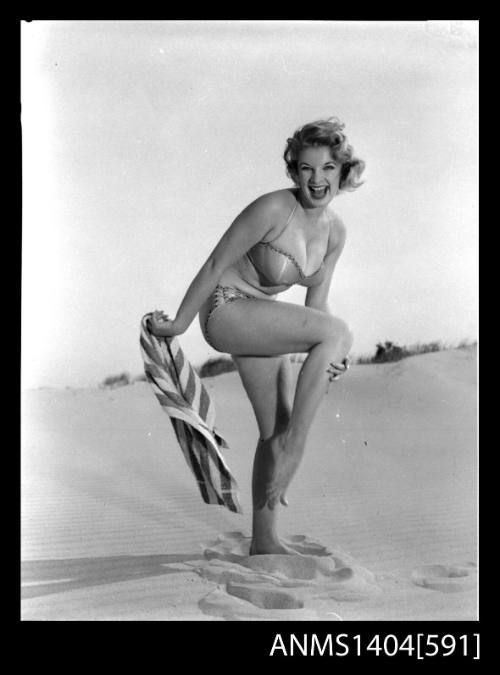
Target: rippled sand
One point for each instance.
(382, 512)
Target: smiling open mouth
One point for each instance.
(318, 192)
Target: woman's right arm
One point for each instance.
(252, 224)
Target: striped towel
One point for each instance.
(185, 399)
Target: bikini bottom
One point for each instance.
(221, 296)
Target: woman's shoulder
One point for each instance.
(337, 231)
(277, 200)
(335, 221)
(267, 211)
(270, 209)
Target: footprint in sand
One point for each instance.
(302, 544)
(280, 582)
(236, 544)
(446, 578)
(265, 596)
(218, 603)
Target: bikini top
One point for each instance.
(277, 267)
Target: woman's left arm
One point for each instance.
(317, 296)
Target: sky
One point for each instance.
(143, 140)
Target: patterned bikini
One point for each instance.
(271, 270)
(221, 296)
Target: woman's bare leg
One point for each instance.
(288, 447)
(268, 383)
(267, 328)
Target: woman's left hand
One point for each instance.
(162, 326)
(335, 370)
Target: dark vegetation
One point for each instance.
(385, 352)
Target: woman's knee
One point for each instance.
(349, 338)
(338, 332)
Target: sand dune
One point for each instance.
(383, 513)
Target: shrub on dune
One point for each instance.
(216, 366)
(114, 381)
(388, 351)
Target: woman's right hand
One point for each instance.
(162, 326)
(336, 369)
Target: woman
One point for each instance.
(290, 236)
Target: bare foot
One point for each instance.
(270, 547)
(286, 462)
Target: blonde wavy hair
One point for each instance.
(329, 133)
